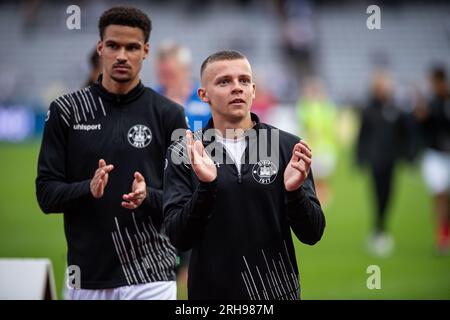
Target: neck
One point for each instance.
(237, 128)
(115, 87)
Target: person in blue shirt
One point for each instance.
(174, 75)
(173, 66)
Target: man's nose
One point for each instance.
(121, 56)
(237, 87)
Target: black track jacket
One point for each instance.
(238, 226)
(111, 245)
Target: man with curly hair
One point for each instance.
(101, 163)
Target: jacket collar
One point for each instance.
(253, 116)
(210, 125)
(118, 99)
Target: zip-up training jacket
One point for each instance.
(111, 245)
(239, 225)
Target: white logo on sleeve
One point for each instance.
(139, 136)
(264, 172)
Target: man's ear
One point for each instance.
(99, 47)
(203, 95)
(254, 91)
(146, 50)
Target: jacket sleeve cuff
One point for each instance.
(204, 199)
(86, 188)
(207, 186)
(296, 195)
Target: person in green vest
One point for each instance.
(317, 122)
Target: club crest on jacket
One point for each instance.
(139, 136)
(264, 171)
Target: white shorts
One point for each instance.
(162, 290)
(436, 171)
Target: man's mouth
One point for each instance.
(121, 68)
(237, 101)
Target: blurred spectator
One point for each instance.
(299, 36)
(435, 120)
(95, 64)
(317, 120)
(174, 76)
(264, 100)
(381, 143)
(30, 12)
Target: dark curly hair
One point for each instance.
(125, 16)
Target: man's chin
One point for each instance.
(121, 79)
(238, 115)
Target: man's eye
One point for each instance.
(246, 81)
(112, 46)
(223, 82)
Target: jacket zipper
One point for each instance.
(238, 171)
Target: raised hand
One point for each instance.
(298, 167)
(100, 179)
(138, 192)
(201, 163)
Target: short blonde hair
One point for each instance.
(170, 49)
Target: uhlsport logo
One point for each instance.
(87, 127)
(139, 136)
(264, 172)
